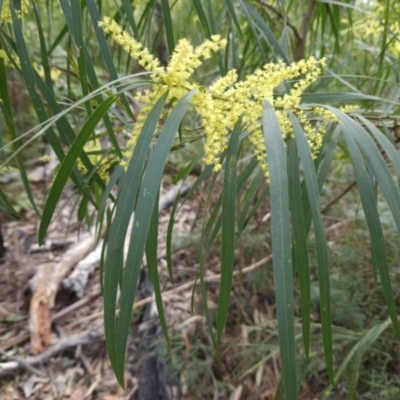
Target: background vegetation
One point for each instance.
(63, 82)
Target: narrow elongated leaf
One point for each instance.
(204, 298)
(43, 49)
(115, 177)
(281, 248)
(183, 175)
(261, 197)
(326, 162)
(234, 16)
(215, 217)
(64, 127)
(245, 175)
(168, 26)
(228, 228)
(386, 144)
(58, 39)
(341, 97)
(123, 213)
(77, 33)
(6, 107)
(185, 171)
(144, 208)
(322, 164)
(86, 72)
(203, 247)
(254, 31)
(234, 58)
(28, 73)
(384, 43)
(215, 31)
(357, 351)
(268, 35)
(68, 164)
(361, 347)
(249, 197)
(202, 17)
(129, 13)
(105, 53)
(353, 131)
(299, 250)
(378, 165)
(6, 207)
(311, 182)
(168, 247)
(152, 265)
(202, 177)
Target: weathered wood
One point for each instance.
(44, 287)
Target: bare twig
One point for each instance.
(77, 280)
(73, 307)
(178, 289)
(300, 35)
(50, 245)
(20, 362)
(283, 17)
(338, 197)
(86, 337)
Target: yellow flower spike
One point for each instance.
(6, 12)
(225, 100)
(102, 163)
(129, 44)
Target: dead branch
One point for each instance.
(86, 337)
(305, 26)
(19, 361)
(86, 257)
(211, 278)
(91, 336)
(50, 245)
(77, 305)
(73, 307)
(44, 286)
(77, 280)
(170, 293)
(285, 19)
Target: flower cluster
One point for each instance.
(101, 163)
(224, 101)
(370, 28)
(6, 12)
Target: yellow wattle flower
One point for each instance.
(226, 100)
(6, 12)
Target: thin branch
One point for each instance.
(169, 293)
(19, 362)
(284, 18)
(305, 26)
(87, 337)
(338, 197)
